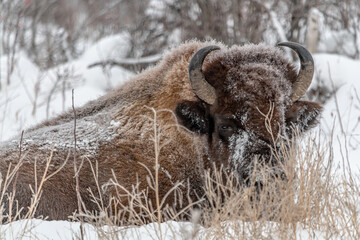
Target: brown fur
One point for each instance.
(119, 127)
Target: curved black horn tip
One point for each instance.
(200, 55)
(303, 53)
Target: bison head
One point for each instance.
(248, 99)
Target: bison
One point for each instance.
(204, 105)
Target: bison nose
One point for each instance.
(261, 151)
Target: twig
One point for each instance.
(336, 101)
(341, 128)
(11, 57)
(75, 168)
(19, 158)
(37, 193)
(157, 166)
(127, 61)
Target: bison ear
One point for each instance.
(193, 116)
(303, 115)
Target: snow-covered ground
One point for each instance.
(33, 96)
(61, 230)
(341, 115)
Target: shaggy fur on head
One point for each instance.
(117, 130)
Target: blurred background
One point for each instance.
(54, 31)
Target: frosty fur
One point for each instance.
(117, 130)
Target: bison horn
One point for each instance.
(200, 86)
(306, 72)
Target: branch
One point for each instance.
(127, 61)
(19, 159)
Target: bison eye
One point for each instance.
(225, 127)
(226, 131)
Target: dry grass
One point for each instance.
(7, 196)
(315, 201)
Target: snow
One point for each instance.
(341, 114)
(33, 95)
(114, 46)
(59, 230)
